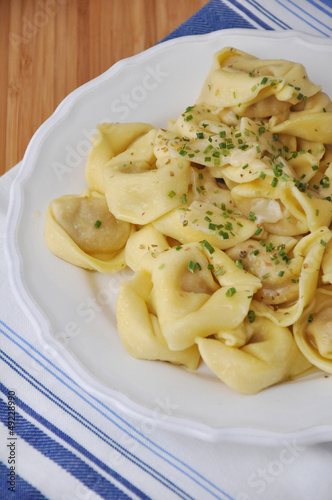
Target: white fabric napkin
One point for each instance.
(67, 444)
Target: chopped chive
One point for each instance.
(224, 235)
(97, 223)
(207, 149)
(199, 135)
(310, 318)
(184, 198)
(252, 216)
(231, 291)
(207, 245)
(171, 194)
(259, 230)
(262, 175)
(251, 316)
(322, 242)
(219, 271)
(281, 273)
(238, 262)
(265, 276)
(191, 266)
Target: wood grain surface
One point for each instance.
(50, 47)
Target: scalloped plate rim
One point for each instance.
(311, 435)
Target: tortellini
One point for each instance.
(269, 356)
(224, 218)
(196, 293)
(309, 251)
(139, 328)
(313, 330)
(81, 230)
(110, 140)
(223, 228)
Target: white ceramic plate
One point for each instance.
(73, 310)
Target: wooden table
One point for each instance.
(50, 47)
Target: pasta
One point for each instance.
(73, 232)
(224, 218)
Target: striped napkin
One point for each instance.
(58, 441)
(308, 16)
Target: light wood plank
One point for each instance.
(50, 47)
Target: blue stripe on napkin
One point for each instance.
(67, 459)
(216, 15)
(314, 17)
(262, 10)
(256, 19)
(112, 416)
(300, 13)
(306, 16)
(79, 419)
(319, 6)
(23, 490)
(63, 456)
